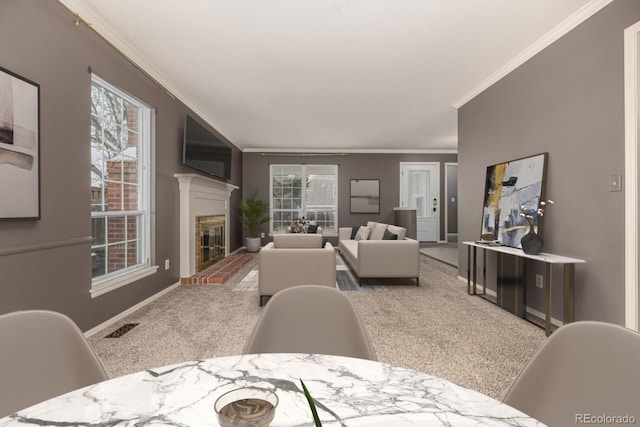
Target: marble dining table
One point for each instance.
(347, 392)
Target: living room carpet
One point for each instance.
(434, 328)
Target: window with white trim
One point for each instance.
(120, 182)
(304, 191)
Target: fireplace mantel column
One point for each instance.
(199, 196)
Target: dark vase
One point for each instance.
(531, 242)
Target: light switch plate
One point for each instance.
(615, 182)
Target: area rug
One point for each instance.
(248, 283)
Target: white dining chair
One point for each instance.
(583, 369)
(44, 354)
(311, 319)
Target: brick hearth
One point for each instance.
(218, 272)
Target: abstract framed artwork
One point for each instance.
(365, 196)
(19, 147)
(508, 187)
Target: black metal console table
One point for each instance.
(549, 259)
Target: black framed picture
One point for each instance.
(512, 188)
(365, 196)
(19, 147)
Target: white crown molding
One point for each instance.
(563, 28)
(344, 152)
(92, 20)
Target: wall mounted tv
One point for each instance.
(204, 151)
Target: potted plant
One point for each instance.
(255, 212)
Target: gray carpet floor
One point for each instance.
(435, 328)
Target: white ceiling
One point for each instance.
(331, 74)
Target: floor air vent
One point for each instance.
(122, 330)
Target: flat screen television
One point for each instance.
(204, 151)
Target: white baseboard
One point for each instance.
(130, 310)
(530, 310)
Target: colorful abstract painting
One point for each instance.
(509, 186)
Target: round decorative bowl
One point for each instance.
(246, 407)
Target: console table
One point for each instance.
(548, 259)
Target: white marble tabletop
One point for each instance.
(347, 391)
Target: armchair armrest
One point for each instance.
(389, 258)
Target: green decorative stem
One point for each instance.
(312, 405)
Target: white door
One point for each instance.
(420, 189)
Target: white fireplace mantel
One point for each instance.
(199, 196)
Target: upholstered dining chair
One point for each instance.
(583, 369)
(311, 319)
(44, 354)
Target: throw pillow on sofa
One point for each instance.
(400, 231)
(389, 235)
(363, 233)
(377, 232)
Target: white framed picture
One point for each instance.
(19, 147)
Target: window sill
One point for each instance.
(109, 285)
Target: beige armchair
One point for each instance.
(295, 259)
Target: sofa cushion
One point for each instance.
(297, 241)
(389, 235)
(350, 249)
(363, 233)
(378, 231)
(312, 228)
(354, 231)
(400, 231)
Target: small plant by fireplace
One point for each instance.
(255, 212)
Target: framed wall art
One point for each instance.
(19, 147)
(508, 187)
(365, 196)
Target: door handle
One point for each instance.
(435, 204)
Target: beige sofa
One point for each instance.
(295, 259)
(370, 255)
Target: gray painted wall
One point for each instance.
(39, 41)
(385, 167)
(568, 100)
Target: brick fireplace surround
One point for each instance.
(202, 196)
(219, 272)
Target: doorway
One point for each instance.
(632, 189)
(420, 189)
